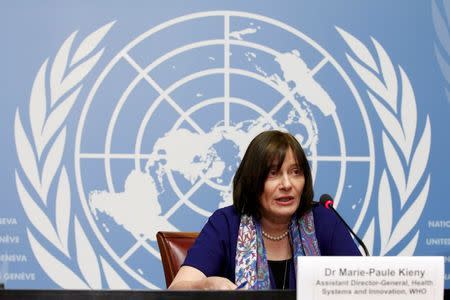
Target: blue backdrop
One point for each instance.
(120, 119)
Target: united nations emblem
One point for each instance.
(167, 122)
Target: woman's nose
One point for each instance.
(285, 181)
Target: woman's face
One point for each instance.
(282, 191)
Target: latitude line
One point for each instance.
(162, 92)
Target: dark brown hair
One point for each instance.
(265, 149)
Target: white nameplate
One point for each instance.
(350, 277)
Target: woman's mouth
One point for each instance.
(285, 200)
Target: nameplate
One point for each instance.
(349, 277)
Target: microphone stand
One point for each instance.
(350, 229)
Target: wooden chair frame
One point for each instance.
(173, 247)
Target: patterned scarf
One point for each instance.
(251, 259)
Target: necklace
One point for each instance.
(285, 272)
(275, 238)
(280, 270)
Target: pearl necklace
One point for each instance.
(275, 238)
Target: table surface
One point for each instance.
(146, 294)
(152, 295)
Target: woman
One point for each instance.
(253, 243)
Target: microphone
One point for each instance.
(327, 201)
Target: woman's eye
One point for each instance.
(296, 171)
(272, 173)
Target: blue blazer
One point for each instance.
(214, 251)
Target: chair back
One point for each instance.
(173, 247)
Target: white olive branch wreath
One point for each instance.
(406, 149)
(40, 157)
